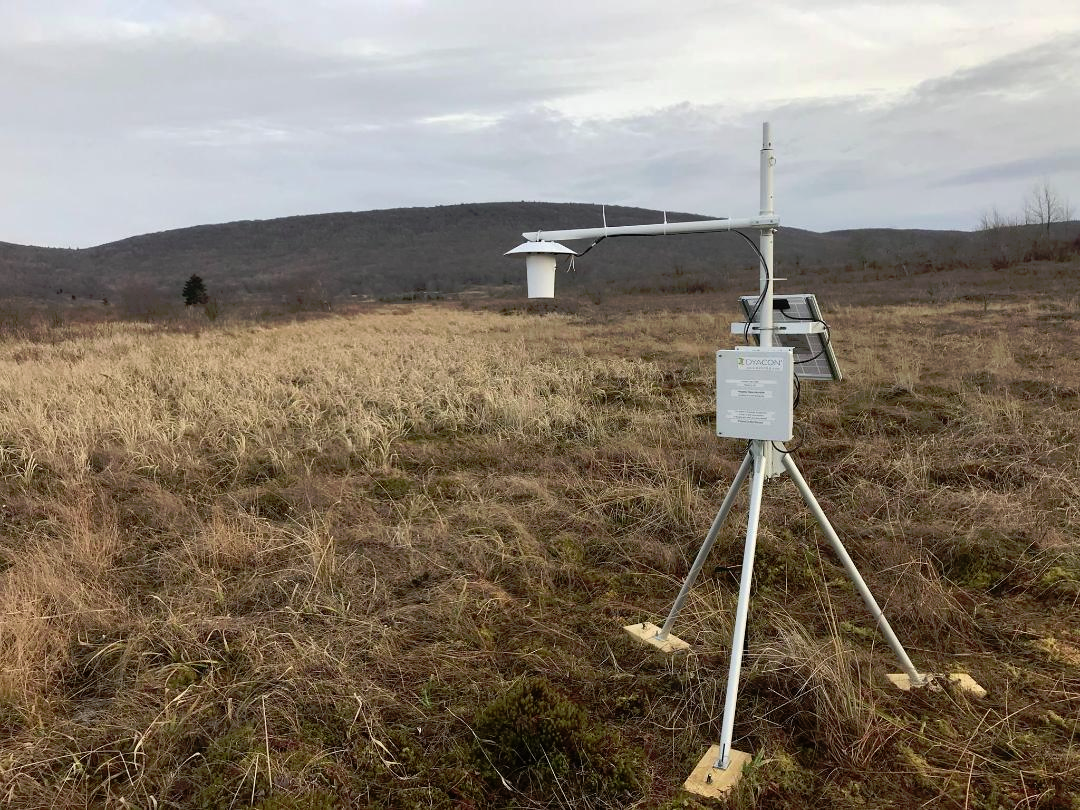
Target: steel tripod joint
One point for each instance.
(770, 455)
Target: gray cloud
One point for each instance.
(192, 114)
(1037, 71)
(170, 83)
(1025, 169)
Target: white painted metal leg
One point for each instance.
(738, 636)
(852, 571)
(706, 547)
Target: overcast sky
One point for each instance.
(128, 116)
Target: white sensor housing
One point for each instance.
(540, 259)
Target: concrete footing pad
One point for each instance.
(647, 632)
(712, 782)
(965, 682)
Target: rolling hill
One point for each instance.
(444, 248)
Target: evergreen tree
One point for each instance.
(195, 291)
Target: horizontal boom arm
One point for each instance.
(761, 223)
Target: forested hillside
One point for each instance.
(327, 257)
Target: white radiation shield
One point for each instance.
(540, 259)
(540, 269)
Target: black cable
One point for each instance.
(764, 291)
(749, 241)
(570, 261)
(825, 339)
(794, 407)
(753, 315)
(753, 312)
(594, 244)
(825, 348)
(789, 450)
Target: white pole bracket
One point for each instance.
(755, 328)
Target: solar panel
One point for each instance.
(814, 357)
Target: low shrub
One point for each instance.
(534, 740)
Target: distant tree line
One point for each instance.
(315, 262)
(1042, 208)
(1044, 205)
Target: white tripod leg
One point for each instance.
(738, 636)
(852, 572)
(706, 547)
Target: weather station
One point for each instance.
(757, 388)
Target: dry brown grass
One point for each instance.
(287, 566)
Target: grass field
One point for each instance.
(382, 560)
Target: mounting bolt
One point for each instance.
(708, 779)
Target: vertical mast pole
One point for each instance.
(765, 313)
(763, 455)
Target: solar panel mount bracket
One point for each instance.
(805, 328)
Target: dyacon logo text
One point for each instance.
(761, 363)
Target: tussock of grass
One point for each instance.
(297, 566)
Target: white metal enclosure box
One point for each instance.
(755, 393)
